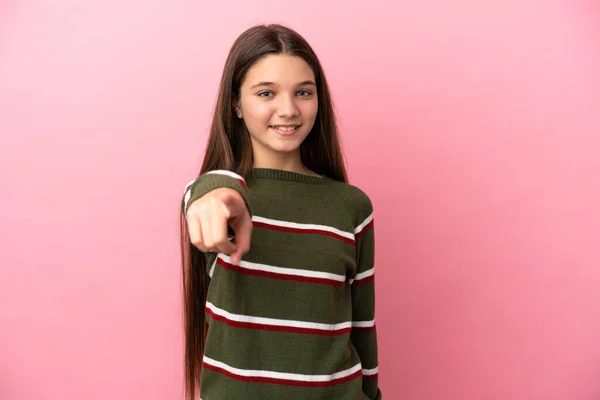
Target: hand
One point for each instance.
(208, 218)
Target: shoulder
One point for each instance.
(357, 202)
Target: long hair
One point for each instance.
(229, 148)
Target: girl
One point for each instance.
(277, 248)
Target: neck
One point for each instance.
(286, 162)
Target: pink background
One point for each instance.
(474, 126)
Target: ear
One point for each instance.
(235, 103)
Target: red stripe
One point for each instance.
(370, 377)
(303, 230)
(279, 381)
(364, 229)
(358, 282)
(242, 182)
(364, 329)
(293, 329)
(274, 275)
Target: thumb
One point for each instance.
(243, 234)
(234, 203)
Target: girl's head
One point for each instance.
(278, 102)
(272, 79)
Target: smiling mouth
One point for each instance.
(285, 128)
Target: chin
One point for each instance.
(286, 146)
(285, 149)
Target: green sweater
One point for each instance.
(296, 318)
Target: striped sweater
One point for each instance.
(296, 318)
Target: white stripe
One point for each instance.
(364, 223)
(190, 183)
(225, 172)
(212, 268)
(373, 371)
(277, 322)
(188, 194)
(285, 271)
(282, 375)
(365, 274)
(186, 199)
(296, 225)
(363, 324)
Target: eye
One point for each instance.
(305, 93)
(265, 94)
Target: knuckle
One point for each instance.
(202, 208)
(221, 243)
(195, 206)
(194, 237)
(198, 244)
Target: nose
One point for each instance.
(287, 107)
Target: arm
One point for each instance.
(364, 335)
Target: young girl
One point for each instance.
(277, 248)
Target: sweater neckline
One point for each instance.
(282, 175)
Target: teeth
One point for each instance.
(285, 128)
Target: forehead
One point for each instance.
(281, 69)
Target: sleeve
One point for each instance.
(364, 333)
(214, 180)
(205, 183)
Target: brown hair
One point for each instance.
(229, 148)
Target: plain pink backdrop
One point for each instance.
(474, 127)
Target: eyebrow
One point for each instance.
(304, 83)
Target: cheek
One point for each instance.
(258, 113)
(309, 111)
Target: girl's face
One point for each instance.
(278, 102)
